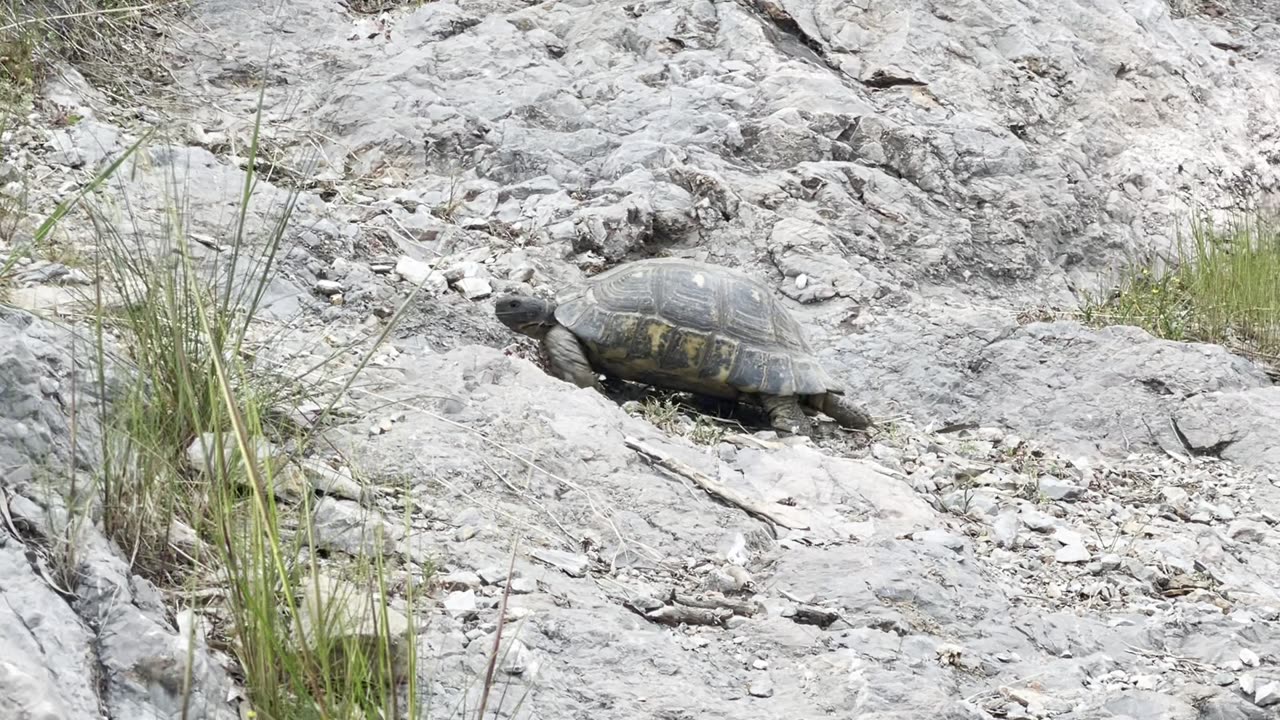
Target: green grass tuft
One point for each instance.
(194, 453)
(109, 41)
(1223, 288)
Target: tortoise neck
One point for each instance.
(538, 330)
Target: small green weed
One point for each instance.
(672, 417)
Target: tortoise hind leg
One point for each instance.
(843, 410)
(786, 414)
(568, 361)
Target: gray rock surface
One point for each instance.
(1090, 391)
(927, 606)
(81, 635)
(1241, 426)
(1088, 538)
(911, 177)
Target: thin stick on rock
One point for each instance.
(717, 601)
(677, 615)
(778, 515)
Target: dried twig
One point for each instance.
(715, 601)
(497, 635)
(681, 615)
(778, 515)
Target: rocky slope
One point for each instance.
(913, 175)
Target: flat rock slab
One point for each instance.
(1091, 392)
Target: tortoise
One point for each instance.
(687, 326)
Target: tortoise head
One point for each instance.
(526, 314)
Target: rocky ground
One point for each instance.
(1052, 521)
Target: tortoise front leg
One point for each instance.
(786, 414)
(568, 360)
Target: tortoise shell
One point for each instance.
(692, 326)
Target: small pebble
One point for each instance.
(1247, 531)
(77, 277)
(460, 602)
(493, 575)
(473, 288)
(1072, 554)
(1004, 531)
(328, 287)
(575, 565)
(460, 580)
(465, 269)
(418, 272)
(523, 585)
(1036, 520)
(761, 688)
(517, 659)
(1247, 684)
(1267, 694)
(1058, 489)
(1175, 496)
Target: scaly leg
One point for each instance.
(568, 360)
(785, 414)
(843, 410)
